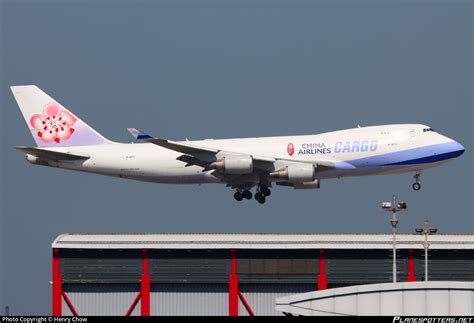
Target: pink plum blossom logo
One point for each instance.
(55, 124)
(290, 149)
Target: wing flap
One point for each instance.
(191, 161)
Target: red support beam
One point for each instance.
(69, 304)
(57, 284)
(411, 266)
(246, 304)
(233, 285)
(134, 304)
(145, 286)
(322, 278)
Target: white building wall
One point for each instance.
(101, 299)
(189, 299)
(261, 297)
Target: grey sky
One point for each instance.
(230, 69)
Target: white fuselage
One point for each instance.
(356, 152)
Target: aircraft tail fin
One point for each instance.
(51, 124)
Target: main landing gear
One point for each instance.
(262, 192)
(240, 195)
(417, 185)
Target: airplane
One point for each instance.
(300, 162)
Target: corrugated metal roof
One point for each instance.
(258, 241)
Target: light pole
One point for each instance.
(394, 207)
(426, 231)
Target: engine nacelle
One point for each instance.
(307, 185)
(238, 164)
(297, 174)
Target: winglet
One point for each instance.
(137, 134)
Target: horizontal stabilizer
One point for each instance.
(51, 155)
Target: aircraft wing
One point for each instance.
(179, 147)
(50, 154)
(204, 156)
(192, 152)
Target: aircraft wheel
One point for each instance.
(247, 195)
(416, 186)
(238, 196)
(260, 198)
(265, 191)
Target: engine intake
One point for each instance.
(239, 164)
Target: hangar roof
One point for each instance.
(258, 241)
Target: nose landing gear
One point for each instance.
(417, 185)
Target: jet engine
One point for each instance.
(298, 174)
(234, 164)
(307, 185)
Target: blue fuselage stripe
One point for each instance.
(429, 159)
(420, 155)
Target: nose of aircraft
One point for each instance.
(458, 149)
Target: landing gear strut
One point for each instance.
(417, 185)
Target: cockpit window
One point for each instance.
(428, 130)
